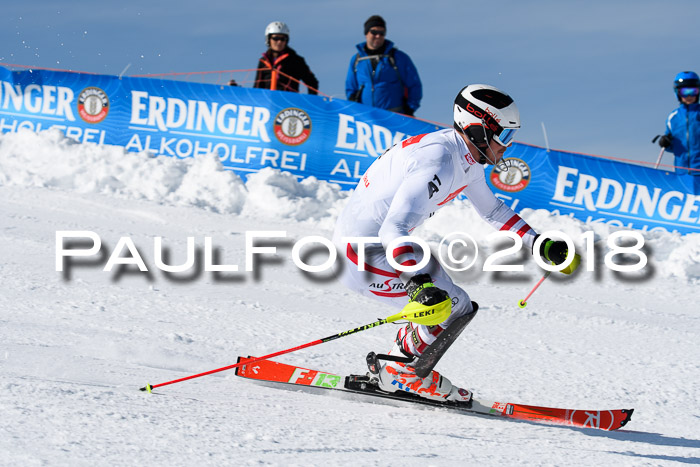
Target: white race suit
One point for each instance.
(399, 191)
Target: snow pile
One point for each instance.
(274, 194)
(676, 255)
(49, 159)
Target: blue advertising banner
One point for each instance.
(597, 190)
(249, 129)
(333, 140)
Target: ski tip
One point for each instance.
(148, 388)
(522, 303)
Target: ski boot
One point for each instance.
(394, 372)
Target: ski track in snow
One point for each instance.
(77, 346)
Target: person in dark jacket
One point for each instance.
(280, 62)
(381, 75)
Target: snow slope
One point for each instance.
(76, 345)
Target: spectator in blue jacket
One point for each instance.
(682, 135)
(381, 75)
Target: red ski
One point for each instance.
(280, 373)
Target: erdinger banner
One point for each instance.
(597, 190)
(249, 129)
(333, 140)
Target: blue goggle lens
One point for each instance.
(506, 136)
(688, 92)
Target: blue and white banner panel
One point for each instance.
(597, 190)
(333, 140)
(249, 129)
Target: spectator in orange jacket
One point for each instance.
(280, 62)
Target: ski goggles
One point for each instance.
(688, 92)
(505, 138)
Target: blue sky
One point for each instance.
(599, 74)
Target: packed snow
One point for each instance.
(78, 344)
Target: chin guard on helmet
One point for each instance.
(479, 135)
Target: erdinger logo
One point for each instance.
(93, 105)
(515, 179)
(292, 126)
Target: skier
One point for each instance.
(682, 135)
(400, 190)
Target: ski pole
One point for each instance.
(523, 303)
(658, 161)
(421, 314)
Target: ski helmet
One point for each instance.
(483, 113)
(275, 27)
(685, 79)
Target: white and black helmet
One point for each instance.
(483, 113)
(275, 27)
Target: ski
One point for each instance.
(303, 378)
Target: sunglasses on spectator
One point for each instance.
(377, 32)
(278, 38)
(688, 92)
